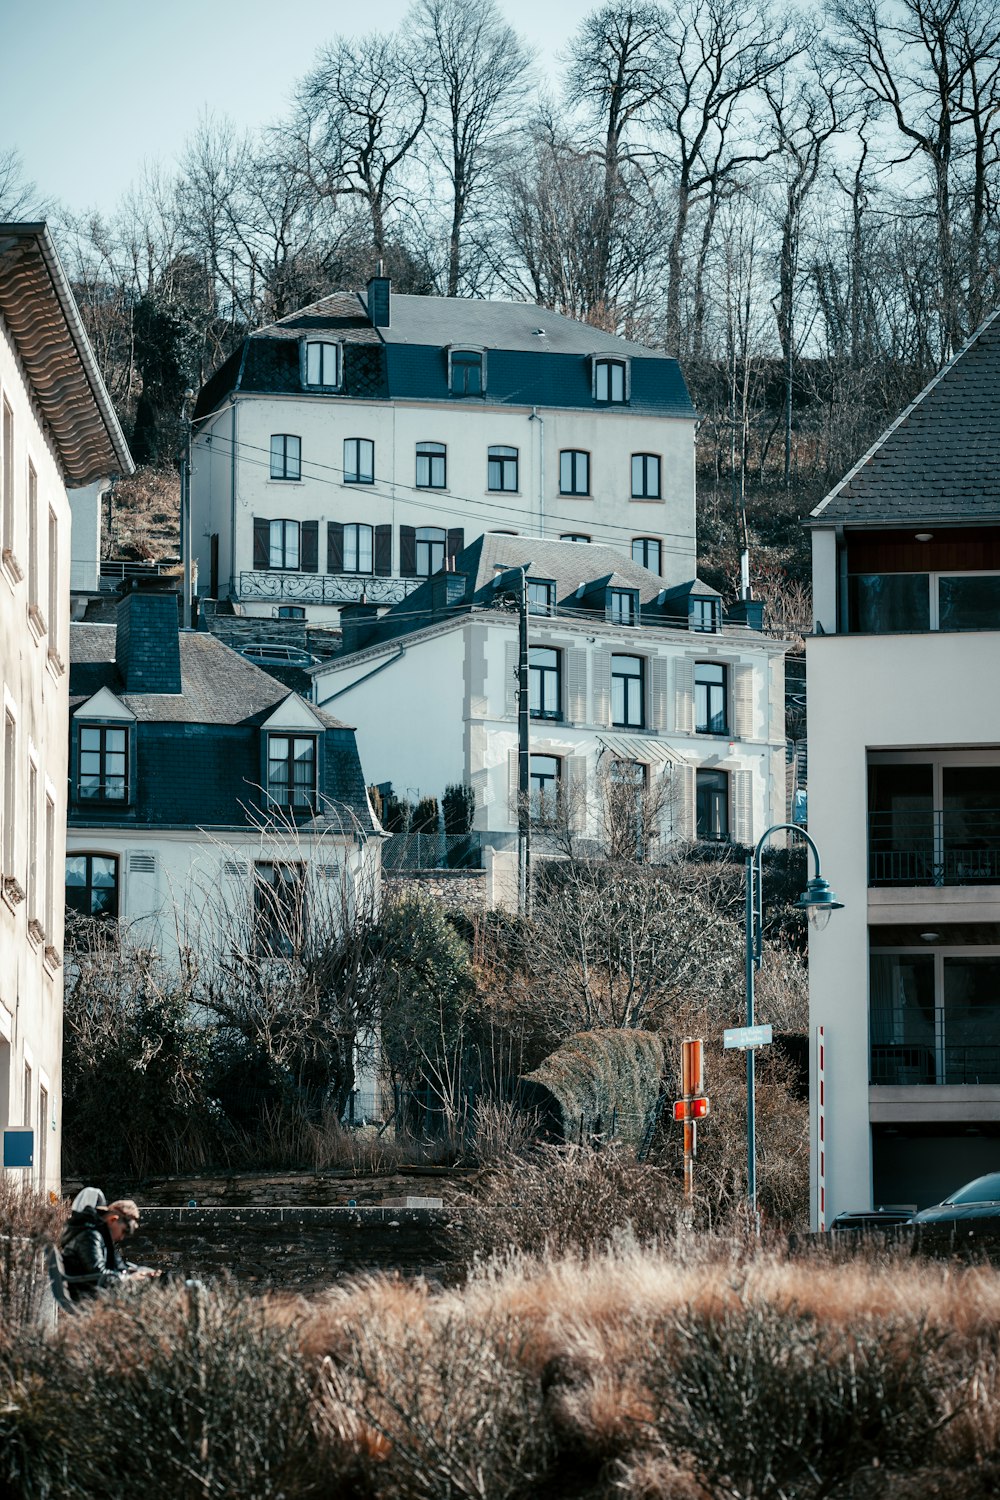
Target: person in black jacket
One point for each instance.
(91, 1244)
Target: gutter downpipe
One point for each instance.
(541, 468)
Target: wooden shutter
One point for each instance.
(776, 698)
(408, 551)
(742, 789)
(743, 686)
(659, 694)
(334, 547)
(510, 653)
(575, 770)
(576, 685)
(684, 695)
(512, 774)
(602, 686)
(261, 543)
(683, 798)
(310, 546)
(456, 541)
(383, 551)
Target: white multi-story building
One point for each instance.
(360, 443)
(631, 684)
(57, 428)
(904, 800)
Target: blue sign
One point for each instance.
(19, 1146)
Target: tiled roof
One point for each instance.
(518, 326)
(939, 462)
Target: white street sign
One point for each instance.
(745, 1037)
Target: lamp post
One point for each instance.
(817, 901)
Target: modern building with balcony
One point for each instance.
(357, 445)
(904, 801)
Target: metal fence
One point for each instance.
(433, 851)
(958, 846)
(950, 1045)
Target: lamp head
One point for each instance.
(818, 901)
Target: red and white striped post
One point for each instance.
(821, 1127)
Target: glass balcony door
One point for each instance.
(934, 1017)
(933, 823)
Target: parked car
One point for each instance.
(972, 1210)
(881, 1217)
(277, 654)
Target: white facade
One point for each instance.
(55, 428)
(439, 707)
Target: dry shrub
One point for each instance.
(442, 1410)
(569, 1199)
(501, 1129)
(174, 1393)
(28, 1222)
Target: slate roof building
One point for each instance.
(632, 684)
(356, 445)
(193, 773)
(904, 738)
(57, 431)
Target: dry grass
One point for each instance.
(711, 1370)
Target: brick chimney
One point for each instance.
(147, 648)
(380, 299)
(357, 625)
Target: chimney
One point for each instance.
(379, 299)
(147, 645)
(447, 589)
(357, 625)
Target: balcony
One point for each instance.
(950, 1045)
(280, 587)
(959, 846)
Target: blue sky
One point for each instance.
(89, 93)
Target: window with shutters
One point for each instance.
(359, 549)
(610, 383)
(286, 456)
(574, 472)
(627, 676)
(466, 372)
(359, 461)
(710, 698)
(7, 491)
(645, 476)
(429, 545)
(712, 806)
(283, 544)
(321, 364)
(501, 469)
(646, 551)
(92, 885)
(625, 809)
(544, 683)
(623, 606)
(544, 790)
(292, 766)
(432, 466)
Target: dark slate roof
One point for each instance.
(581, 573)
(409, 358)
(939, 462)
(199, 750)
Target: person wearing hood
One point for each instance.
(91, 1244)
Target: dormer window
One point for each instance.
(541, 596)
(103, 764)
(466, 372)
(292, 763)
(610, 381)
(321, 364)
(623, 606)
(704, 614)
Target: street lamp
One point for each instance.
(817, 901)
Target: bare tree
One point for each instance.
(19, 197)
(481, 79)
(360, 113)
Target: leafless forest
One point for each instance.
(801, 204)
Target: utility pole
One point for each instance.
(523, 755)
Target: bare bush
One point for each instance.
(28, 1222)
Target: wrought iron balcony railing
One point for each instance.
(324, 588)
(956, 846)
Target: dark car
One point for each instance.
(881, 1217)
(973, 1212)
